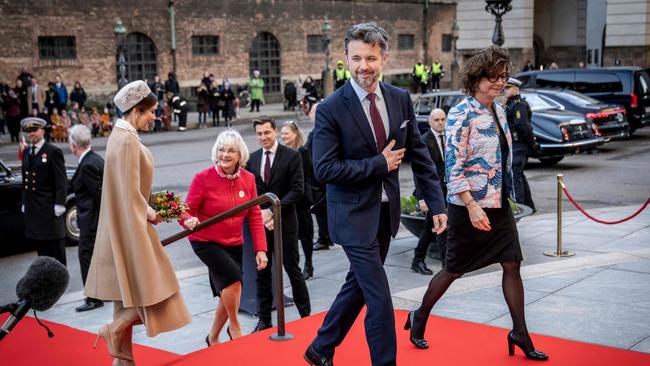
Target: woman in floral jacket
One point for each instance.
(481, 228)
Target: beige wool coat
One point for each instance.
(129, 264)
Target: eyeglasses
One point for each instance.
(493, 78)
(290, 123)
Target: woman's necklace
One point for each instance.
(222, 174)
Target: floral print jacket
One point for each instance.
(473, 155)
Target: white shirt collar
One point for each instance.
(39, 145)
(273, 148)
(83, 155)
(362, 93)
(123, 124)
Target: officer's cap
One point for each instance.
(131, 94)
(32, 123)
(513, 82)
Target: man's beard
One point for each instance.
(365, 82)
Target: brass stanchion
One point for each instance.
(559, 252)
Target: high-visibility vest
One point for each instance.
(424, 77)
(436, 69)
(419, 70)
(342, 74)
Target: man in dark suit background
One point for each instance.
(362, 133)
(433, 139)
(278, 169)
(44, 191)
(87, 187)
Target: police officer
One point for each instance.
(341, 75)
(523, 141)
(416, 75)
(44, 191)
(436, 74)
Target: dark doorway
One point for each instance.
(265, 57)
(140, 55)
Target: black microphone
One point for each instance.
(40, 288)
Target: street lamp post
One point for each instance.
(454, 63)
(326, 76)
(120, 32)
(498, 8)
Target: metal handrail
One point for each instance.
(281, 335)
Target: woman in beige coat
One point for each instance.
(129, 265)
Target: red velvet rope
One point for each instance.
(647, 201)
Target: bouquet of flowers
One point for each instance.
(168, 205)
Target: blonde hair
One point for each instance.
(300, 136)
(231, 137)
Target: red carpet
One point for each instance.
(454, 342)
(29, 345)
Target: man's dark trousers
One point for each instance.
(365, 262)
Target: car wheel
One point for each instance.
(71, 228)
(550, 161)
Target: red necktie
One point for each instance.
(377, 123)
(267, 167)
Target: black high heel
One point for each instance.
(531, 355)
(420, 343)
(228, 331)
(207, 340)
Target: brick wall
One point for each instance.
(237, 22)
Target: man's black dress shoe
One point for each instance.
(90, 305)
(316, 359)
(261, 325)
(308, 271)
(421, 267)
(321, 246)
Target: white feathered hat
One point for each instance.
(131, 94)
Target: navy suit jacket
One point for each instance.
(346, 160)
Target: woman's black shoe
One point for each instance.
(418, 342)
(207, 340)
(228, 331)
(531, 354)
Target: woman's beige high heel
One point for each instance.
(113, 342)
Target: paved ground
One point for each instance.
(601, 295)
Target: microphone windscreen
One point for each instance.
(44, 283)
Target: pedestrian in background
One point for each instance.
(518, 113)
(228, 97)
(36, 97)
(87, 187)
(45, 189)
(256, 87)
(293, 137)
(215, 102)
(62, 93)
(78, 94)
(202, 104)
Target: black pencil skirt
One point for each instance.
(224, 263)
(469, 248)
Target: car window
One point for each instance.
(643, 87)
(536, 102)
(597, 82)
(551, 101)
(449, 101)
(561, 80)
(424, 105)
(577, 98)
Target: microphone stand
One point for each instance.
(9, 308)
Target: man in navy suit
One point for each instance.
(362, 133)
